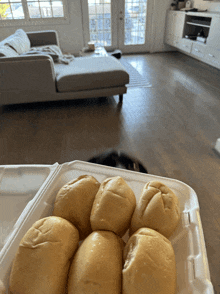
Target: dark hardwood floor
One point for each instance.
(171, 127)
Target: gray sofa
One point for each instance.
(29, 76)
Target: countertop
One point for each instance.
(203, 14)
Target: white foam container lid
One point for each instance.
(30, 191)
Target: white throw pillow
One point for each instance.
(19, 41)
(6, 51)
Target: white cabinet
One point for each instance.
(185, 45)
(214, 34)
(213, 56)
(174, 27)
(206, 53)
(199, 50)
(183, 28)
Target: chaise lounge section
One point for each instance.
(27, 76)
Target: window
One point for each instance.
(31, 9)
(100, 22)
(102, 19)
(11, 9)
(45, 9)
(135, 21)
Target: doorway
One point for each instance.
(118, 24)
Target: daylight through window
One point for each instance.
(135, 22)
(11, 9)
(30, 9)
(100, 22)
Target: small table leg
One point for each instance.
(120, 98)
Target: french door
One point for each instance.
(118, 24)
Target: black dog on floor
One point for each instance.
(119, 159)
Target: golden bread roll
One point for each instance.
(2, 288)
(42, 261)
(113, 206)
(97, 265)
(150, 265)
(74, 202)
(158, 209)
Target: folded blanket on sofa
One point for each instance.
(53, 55)
(54, 51)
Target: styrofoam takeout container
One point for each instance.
(30, 191)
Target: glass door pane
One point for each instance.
(135, 22)
(100, 22)
(118, 24)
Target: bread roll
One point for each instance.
(2, 288)
(74, 202)
(97, 265)
(149, 264)
(43, 258)
(113, 206)
(158, 209)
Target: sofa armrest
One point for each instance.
(27, 73)
(29, 57)
(42, 38)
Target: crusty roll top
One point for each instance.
(74, 202)
(113, 206)
(43, 258)
(158, 209)
(51, 230)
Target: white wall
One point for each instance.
(210, 5)
(158, 25)
(70, 35)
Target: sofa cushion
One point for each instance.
(6, 51)
(19, 41)
(86, 73)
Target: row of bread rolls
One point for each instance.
(49, 261)
(92, 206)
(145, 265)
(43, 261)
(111, 205)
